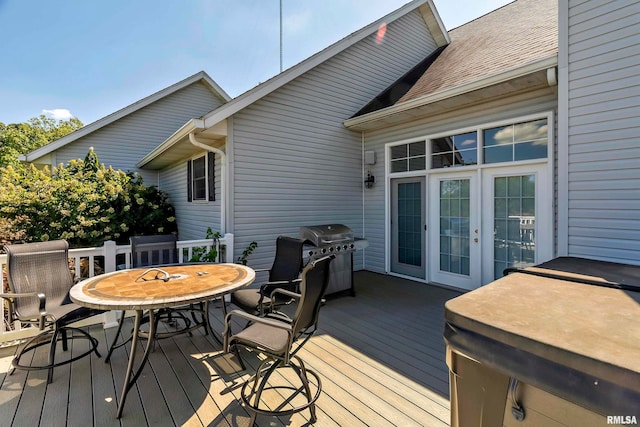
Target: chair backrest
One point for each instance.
(38, 267)
(153, 250)
(288, 260)
(315, 279)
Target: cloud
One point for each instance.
(531, 131)
(58, 113)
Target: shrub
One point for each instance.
(83, 202)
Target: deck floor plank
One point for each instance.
(80, 394)
(31, 404)
(12, 387)
(134, 413)
(404, 395)
(380, 356)
(105, 403)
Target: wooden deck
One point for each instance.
(380, 356)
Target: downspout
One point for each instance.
(223, 178)
(364, 225)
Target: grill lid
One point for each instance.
(326, 234)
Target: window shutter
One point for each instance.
(211, 159)
(189, 189)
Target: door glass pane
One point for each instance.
(454, 226)
(410, 223)
(514, 222)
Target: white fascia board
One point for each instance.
(215, 87)
(443, 38)
(545, 63)
(92, 127)
(191, 126)
(260, 91)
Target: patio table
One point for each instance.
(154, 288)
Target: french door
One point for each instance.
(465, 228)
(408, 208)
(517, 220)
(454, 230)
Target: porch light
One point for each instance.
(368, 182)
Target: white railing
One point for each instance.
(89, 262)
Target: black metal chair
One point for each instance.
(153, 250)
(39, 280)
(283, 274)
(280, 338)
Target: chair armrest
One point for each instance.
(263, 290)
(239, 313)
(42, 303)
(285, 292)
(253, 318)
(279, 282)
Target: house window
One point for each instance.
(200, 178)
(490, 144)
(455, 150)
(408, 157)
(521, 141)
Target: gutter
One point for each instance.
(223, 173)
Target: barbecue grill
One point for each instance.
(335, 239)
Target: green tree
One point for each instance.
(21, 138)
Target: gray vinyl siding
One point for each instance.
(295, 163)
(123, 143)
(540, 101)
(604, 130)
(193, 218)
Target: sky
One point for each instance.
(88, 59)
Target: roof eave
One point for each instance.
(435, 24)
(367, 121)
(191, 126)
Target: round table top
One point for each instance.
(128, 290)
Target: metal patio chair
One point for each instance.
(39, 280)
(153, 250)
(279, 338)
(283, 274)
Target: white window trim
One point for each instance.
(204, 155)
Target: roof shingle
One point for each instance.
(516, 34)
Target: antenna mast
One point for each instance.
(280, 35)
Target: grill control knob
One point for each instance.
(310, 253)
(324, 250)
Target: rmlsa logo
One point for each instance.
(622, 419)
